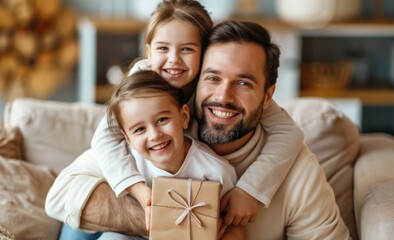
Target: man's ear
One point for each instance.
(185, 115)
(268, 96)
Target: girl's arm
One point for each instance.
(115, 161)
(259, 183)
(284, 142)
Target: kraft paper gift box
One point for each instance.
(184, 209)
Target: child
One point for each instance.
(152, 116)
(174, 41)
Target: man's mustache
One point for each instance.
(229, 106)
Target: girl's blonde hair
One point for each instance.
(141, 84)
(187, 10)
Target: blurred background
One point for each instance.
(77, 50)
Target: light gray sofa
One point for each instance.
(359, 167)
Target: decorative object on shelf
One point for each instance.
(247, 7)
(347, 10)
(326, 75)
(311, 14)
(391, 66)
(378, 9)
(38, 47)
(360, 67)
(142, 9)
(220, 9)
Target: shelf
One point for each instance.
(113, 25)
(362, 27)
(367, 96)
(104, 93)
(365, 28)
(359, 27)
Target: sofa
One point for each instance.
(40, 137)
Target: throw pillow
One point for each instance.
(5, 234)
(23, 189)
(10, 143)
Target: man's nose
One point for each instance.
(224, 93)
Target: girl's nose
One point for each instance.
(174, 57)
(155, 134)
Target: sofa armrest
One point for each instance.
(374, 187)
(54, 133)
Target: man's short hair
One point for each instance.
(238, 32)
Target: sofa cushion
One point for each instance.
(334, 139)
(43, 122)
(11, 143)
(373, 187)
(23, 189)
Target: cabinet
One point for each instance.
(368, 101)
(104, 43)
(367, 44)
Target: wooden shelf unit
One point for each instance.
(115, 25)
(373, 28)
(367, 96)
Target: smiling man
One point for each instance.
(231, 95)
(236, 85)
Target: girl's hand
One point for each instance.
(143, 194)
(241, 207)
(147, 215)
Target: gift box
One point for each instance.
(184, 209)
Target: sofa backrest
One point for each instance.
(54, 133)
(335, 141)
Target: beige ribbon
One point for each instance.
(187, 205)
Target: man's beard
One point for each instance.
(216, 133)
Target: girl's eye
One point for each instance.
(187, 49)
(162, 120)
(162, 48)
(139, 130)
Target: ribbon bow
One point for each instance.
(187, 205)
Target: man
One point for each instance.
(237, 81)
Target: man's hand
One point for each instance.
(241, 207)
(143, 194)
(105, 212)
(234, 233)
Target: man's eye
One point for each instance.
(244, 84)
(211, 78)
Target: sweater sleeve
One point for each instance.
(115, 161)
(310, 203)
(284, 142)
(78, 179)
